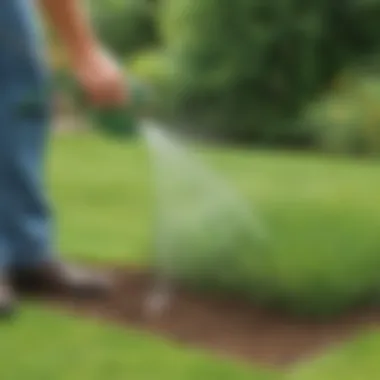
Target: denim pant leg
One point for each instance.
(5, 191)
(25, 110)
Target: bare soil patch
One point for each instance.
(229, 328)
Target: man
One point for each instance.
(26, 251)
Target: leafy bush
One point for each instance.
(126, 26)
(321, 217)
(206, 238)
(246, 71)
(347, 119)
(152, 65)
(155, 69)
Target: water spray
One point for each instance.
(121, 123)
(200, 220)
(117, 122)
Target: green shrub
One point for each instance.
(246, 71)
(347, 119)
(211, 245)
(151, 65)
(126, 26)
(155, 69)
(320, 253)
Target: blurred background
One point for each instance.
(271, 73)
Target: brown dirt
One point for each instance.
(227, 327)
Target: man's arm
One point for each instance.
(71, 23)
(96, 71)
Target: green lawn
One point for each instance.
(356, 360)
(320, 212)
(313, 207)
(45, 345)
(323, 218)
(102, 193)
(102, 196)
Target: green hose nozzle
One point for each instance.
(117, 122)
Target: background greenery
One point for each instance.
(250, 70)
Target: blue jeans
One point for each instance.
(24, 123)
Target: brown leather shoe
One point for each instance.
(7, 297)
(63, 278)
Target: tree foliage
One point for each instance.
(126, 26)
(244, 69)
(247, 68)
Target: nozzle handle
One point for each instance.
(117, 122)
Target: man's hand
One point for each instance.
(96, 71)
(100, 77)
